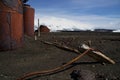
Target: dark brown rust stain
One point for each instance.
(13, 5)
(16, 30)
(4, 32)
(11, 26)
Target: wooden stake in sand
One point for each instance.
(38, 28)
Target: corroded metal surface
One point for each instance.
(16, 30)
(12, 5)
(4, 32)
(28, 20)
(11, 27)
(44, 28)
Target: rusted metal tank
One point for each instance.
(28, 20)
(11, 24)
(44, 28)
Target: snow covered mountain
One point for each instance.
(117, 30)
(55, 24)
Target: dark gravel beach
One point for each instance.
(37, 56)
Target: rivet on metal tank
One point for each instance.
(28, 20)
(11, 24)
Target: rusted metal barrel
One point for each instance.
(11, 24)
(28, 20)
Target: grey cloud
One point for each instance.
(94, 3)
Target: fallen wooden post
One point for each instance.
(86, 47)
(54, 70)
(62, 46)
(83, 46)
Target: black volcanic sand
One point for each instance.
(37, 56)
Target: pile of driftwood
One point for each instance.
(86, 49)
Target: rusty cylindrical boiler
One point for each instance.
(11, 24)
(28, 14)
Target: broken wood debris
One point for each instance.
(45, 72)
(86, 47)
(62, 46)
(83, 46)
(54, 70)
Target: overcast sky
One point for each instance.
(88, 13)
